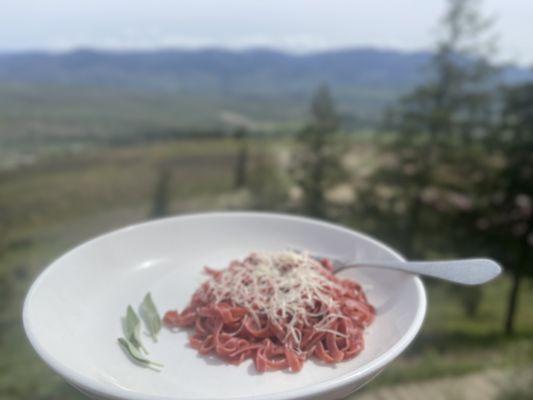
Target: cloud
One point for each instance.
(155, 38)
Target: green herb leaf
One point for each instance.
(131, 325)
(150, 316)
(135, 355)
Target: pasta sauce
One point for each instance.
(278, 309)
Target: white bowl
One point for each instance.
(73, 310)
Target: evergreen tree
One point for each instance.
(503, 216)
(241, 163)
(161, 196)
(318, 165)
(435, 126)
(518, 193)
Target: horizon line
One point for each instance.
(237, 50)
(213, 47)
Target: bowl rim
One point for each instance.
(87, 385)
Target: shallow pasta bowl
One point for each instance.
(72, 313)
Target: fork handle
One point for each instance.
(472, 271)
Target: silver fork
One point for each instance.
(469, 271)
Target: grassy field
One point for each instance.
(40, 119)
(47, 207)
(54, 203)
(36, 118)
(451, 343)
(78, 184)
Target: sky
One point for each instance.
(293, 25)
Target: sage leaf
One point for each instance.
(136, 356)
(150, 316)
(131, 325)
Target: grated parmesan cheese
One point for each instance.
(283, 286)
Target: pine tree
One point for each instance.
(161, 200)
(318, 165)
(504, 214)
(435, 126)
(241, 162)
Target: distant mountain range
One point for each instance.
(216, 69)
(198, 70)
(363, 80)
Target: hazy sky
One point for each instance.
(300, 25)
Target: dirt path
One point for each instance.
(487, 385)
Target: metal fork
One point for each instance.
(470, 271)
